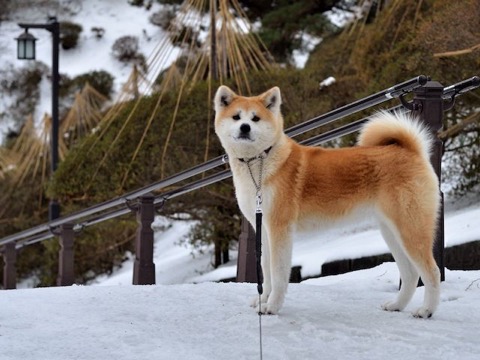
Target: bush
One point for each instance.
(125, 48)
(102, 81)
(69, 33)
(163, 18)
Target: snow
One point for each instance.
(327, 82)
(308, 43)
(336, 317)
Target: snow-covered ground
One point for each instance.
(336, 317)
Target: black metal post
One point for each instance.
(54, 207)
(9, 267)
(52, 26)
(144, 267)
(213, 40)
(66, 276)
(428, 105)
(246, 262)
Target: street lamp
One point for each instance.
(26, 51)
(26, 46)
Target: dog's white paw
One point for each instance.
(423, 313)
(391, 306)
(272, 306)
(269, 309)
(254, 302)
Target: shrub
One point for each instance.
(125, 48)
(69, 33)
(102, 81)
(163, 18)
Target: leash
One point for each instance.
(258, 233)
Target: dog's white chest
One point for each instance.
(246, 192)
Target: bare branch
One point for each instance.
(458, 52)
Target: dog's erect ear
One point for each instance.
(223, 97)
(272, 99)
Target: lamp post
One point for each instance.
(26, 51)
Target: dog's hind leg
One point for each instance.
(422, 257)
(408, 273)
(416, 235)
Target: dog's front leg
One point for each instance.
(280, 256)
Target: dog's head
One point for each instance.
(247, 126)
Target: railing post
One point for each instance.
(246, 263)
(66, 239)
(144, 268)
(9, 268)
(428, 106)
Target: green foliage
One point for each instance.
(69, 33)
(282, 26)
(100, 80)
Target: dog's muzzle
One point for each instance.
(244, 131)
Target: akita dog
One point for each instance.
(389, 172)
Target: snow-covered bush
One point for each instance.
(125, 48)
(163, 18)
(69, 33)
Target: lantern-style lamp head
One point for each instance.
(26, 46)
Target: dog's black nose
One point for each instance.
(245, 128)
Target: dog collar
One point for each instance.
(262, 155)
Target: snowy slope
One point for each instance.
(335, 317)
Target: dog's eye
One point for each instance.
(236, 117)
(255, 118)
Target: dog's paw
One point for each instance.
(423, 313)
(391, 306)
(254, 302)
(269, 309)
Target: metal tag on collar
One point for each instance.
(259, 203)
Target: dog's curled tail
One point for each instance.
(386, 128)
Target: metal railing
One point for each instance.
(143, 203)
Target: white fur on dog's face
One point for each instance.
(247, 126)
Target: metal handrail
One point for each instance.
(119, 206)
